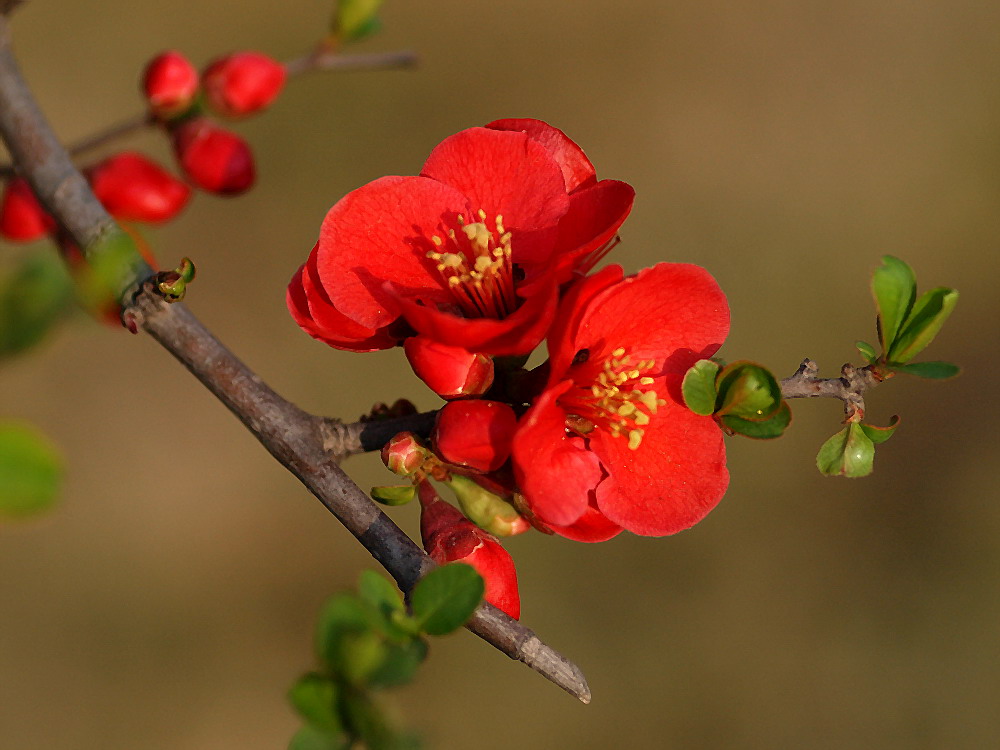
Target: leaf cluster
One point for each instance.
(743, 397)
(369, 641)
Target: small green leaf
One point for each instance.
(357, 656)
(30, 470)
(343, 614)
(355, 19)
(881, 434)
(923, 324)
(931, 370)
(400, 665)
(32, 299)
(394, 495)
(774, 427)
(867, 351)
(311, 738)
(444, 599)
(698, 387)
(748, 391)
(314, 698)
(894, 288)
(849, 453)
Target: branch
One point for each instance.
(295, 438)
(850, 387)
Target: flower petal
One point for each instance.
(502, 173)
(555, 473)
(592, 526)
(577, 170)
(382, 231)
(671, 481)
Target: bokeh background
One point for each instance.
(168, 601)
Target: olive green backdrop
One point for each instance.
(168, 602)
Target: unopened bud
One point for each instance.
(134, 188)
(404, 454)
(213, 158)
(170, 84)
(22, 218)
(242, 83)
(486, 510)
(450, 537)
(449, 371)
(476, 434)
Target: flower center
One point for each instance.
(615, 396)
(474, 260)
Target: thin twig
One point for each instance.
(292, 436)
(850, 387)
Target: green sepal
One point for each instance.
(894, 287)
(867, 351)
(355, 19)
(314, 698)
(444, 599)
(31, 470)
(748, 391)
(311, 738)
(930, 370)
(698, 387)
(849, 453)
(33, 299)
(768, 429)
(881, 434)
(923, 323)
(394, 495)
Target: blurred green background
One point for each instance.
(168, 601)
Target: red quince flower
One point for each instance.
(469, 253)
(609, 444)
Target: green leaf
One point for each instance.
(394, 495)
(923, 324)
(311, 738)
(355, 19)
(342, 615)
(748, 391)
(383, 597)
(766, 430)
(357, 656)
(698, 387)
(931, 370)
(881, 434)
(867, 351)
(32, 299)
(444, 599)
(894, 287)
(401, 663)
(314, 698)
(30, 470)
(849, 453)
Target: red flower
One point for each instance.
(609, 444)
(469, 253)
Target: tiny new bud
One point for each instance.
(134, 188)
(393, 495)
(449, 537)
(213, 158)
(170, 84)
(476, 434)
(404, 454)
(449, 371)
(486, 510)
(22, 218)
(242, 83)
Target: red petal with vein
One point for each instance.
(592, 526)
(577, 170)
(671, 481)
(555, 473)
(381, 232)
(518, 333)
(502, 173)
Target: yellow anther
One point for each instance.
(626, 409)
(646, 381)
(634, 439)
(481, 214)
(482, 263)
(451, 260)
(620, 351)
(437, 240)
(454, 281)
(641, 418)
(650, 401)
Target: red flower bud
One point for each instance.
(170, 84)
(450, 537)
(449, 371)
(242, 83)
(404, 454)
(475, 434)
(134, 188)
(22, 217)
(214, 158)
